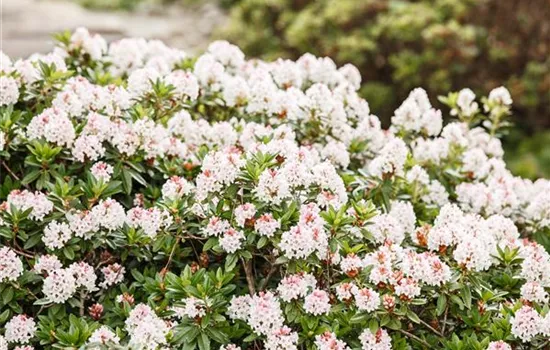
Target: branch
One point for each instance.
(19, 251)
(82, 301)
(249, 277)
(189, 236)
(431, 328)
(12, 173)
(270, 273)
(165, 268)
(445, 320)
(412, 336)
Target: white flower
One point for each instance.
(466, 103)
(84, 275)
(56, 234)
(25, 199)
(378, 341)
(282, 338)
(264, 314)
(272, 187)
(109, 214)
(20, 329)
(231, 240)
(500, 95)
(103, 335)
(94, 45)
(151, 220)
(193, 308)
(266, 225)
(59, 285)
(3, 341)
(328, 341)
(386, 227)
(185, 83)
(293, 286)
(498, 345)
(2, 140)
(391, 159)
(367, 299)
(11, 266)
(175, 188)
(112, 275)
(239, 307)
(145, 328)
(54, 126)
(526, 323)
(9, 91)
(47, 263)
(102, 171)
(244, 212)
(317, 303)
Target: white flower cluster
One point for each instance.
(20, 329)
(307, 237)
(11, 266)
(24, 200)
(61, 284)
(527, 323)
(145, 328)
(264, 162)
(264, 315)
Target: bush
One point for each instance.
(153, 200)
(397, 45)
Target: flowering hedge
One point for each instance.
(151, 200)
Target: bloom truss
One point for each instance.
(152, 200)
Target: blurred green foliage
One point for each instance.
(529, 156)
(441, 45)
(126, 5)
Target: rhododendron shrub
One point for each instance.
(152, 200)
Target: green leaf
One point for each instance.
(413, 316)
(4, 316)
(373, 325)
(32, 241)
(7, 295)
(212, 241)
(217, 335)
(68, 252)
(467, 297)
(262, 242)
(441, 305)
(230, 262)
(30, 177)
(203, 342)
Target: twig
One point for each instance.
(189, 236)
(21, 252)
(195, 251)
(82, 300)
(249, 277)
(10, 171)
(165, 268)
(412, 336)
(431, 328)
(270, 273)
(444, 320)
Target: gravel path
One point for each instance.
(27, 25)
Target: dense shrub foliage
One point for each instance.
(397, 45)
(150, 200)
